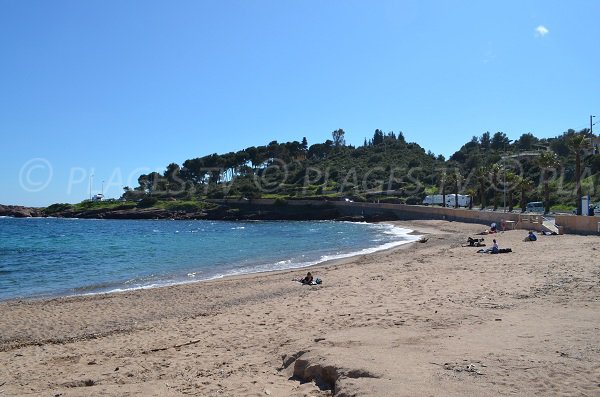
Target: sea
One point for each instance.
(51, 257)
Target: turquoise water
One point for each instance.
(45, 257)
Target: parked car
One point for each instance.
(535, 206)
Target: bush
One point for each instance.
(147, 202)
(185, 206)
(392, 200)
(57, 207)
(413, 200)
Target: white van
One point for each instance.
(535, 206)
(463, 200)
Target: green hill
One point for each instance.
(387, 168)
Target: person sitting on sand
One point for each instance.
(493, 249)
(531, 236)
(308, 279)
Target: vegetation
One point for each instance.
(386, 168)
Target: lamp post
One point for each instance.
(102, 191)
(91, 181)
(592, 134)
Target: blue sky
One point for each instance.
(114, 89)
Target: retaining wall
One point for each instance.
(573, 224)
(569, 223)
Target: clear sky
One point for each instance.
(114, 89)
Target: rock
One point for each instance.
(18, 211)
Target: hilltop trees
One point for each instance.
(386, 167)
(338, 138)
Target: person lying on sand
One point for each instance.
(475, 242)
(545, 233)
(493, 229)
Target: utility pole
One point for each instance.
(91, 180)
(592, 134)
(504, 172)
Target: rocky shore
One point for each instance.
(18, 211)
(217, 212)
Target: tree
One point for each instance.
(499, 141)
(443, 182)
(378, 137)
(494, 171)
(577, 144)
(547, 161)
(401, 137)
(510, 181)
(338, 137)
(471, 192)
(524, 185)
(304, 144)
(455, 179)
(482, 177)
(173, 181)
(485, 140)
(526, 141)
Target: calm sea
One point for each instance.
(45, 257)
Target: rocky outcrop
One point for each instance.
(18, 211)
(220, 211)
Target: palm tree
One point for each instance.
(482, 177)
(547, 161)
(493, 171)
(510, 180)
(457, 179)
(472, 192)
(524, 185)
(443, 182)
(577, 143)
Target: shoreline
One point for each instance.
(320, 262)
(463, 323)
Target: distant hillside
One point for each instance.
(387, 168)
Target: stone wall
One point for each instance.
(569, 223)
(578, 224)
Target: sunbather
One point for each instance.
(475, 242)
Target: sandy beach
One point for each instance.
(426, 319)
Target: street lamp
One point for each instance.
(91, 181)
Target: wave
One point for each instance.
(369, 237)
(404, 233)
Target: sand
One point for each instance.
(428, 319)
